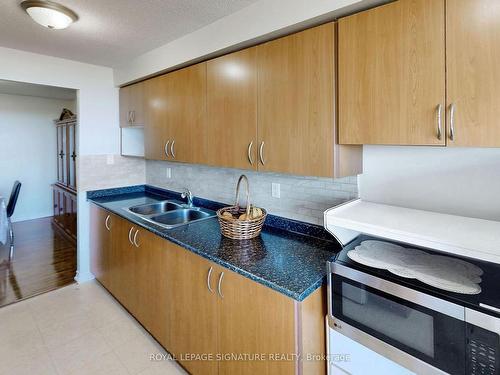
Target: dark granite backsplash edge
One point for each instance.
(272, 221)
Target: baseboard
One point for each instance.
(81, 278)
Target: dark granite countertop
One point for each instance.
(289, 256)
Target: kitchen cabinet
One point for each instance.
(232, 110)
(132, 105)
(122, 264)
(268, 108)
(192, 318)
(186, 114)
(296, 101)
(255, 319)
(155, 132)
(101, 224)
(391, 73)
(176, 115)
(200, 311)
(473, 72)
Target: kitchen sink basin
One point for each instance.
(155, 208)
(182, 216)
(170, 214)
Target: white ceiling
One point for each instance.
(29, 89)
(111, 32)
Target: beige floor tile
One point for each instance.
(78, 353)
(107, 364)
(66, 330)
(18, 349)
(40, 364)
(16, 320)
(77, 330)
(166, 367)
(135, 355)
(122, 330)
(104, 313)
(52, 308)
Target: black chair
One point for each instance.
(11, 206)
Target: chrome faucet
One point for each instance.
(186, 194)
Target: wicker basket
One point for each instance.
(240, 229)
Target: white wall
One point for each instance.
(459, 181)
(259, 21)
(28, 151)
(98, 131)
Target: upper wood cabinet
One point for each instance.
(185, 101)
(232, 110)
(176, 115)
(155, 133)
(266, 108)
(132, 105)
(296, 97)
(473, 72)
(396, 87)
(392, 74)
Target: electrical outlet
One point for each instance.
(275, 190)
(110, 159)
(169, 172)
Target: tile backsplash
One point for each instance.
(301, 198)
(106, 171)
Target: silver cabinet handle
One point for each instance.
(261, 153)
(166, 148)
(172, 149)
(130, 235)
(129, 117)
(219, 285)
(249, 152)
(135, 238)
(106, 222)
(208, 279)
(452, 122)
(439, 123)
(133, 116)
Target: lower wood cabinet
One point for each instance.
(213, 320)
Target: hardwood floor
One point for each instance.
(43, 260)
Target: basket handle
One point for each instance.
(243, 177)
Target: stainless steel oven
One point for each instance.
(419, 331)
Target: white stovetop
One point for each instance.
(464, 236)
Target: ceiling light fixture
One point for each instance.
(49, 14)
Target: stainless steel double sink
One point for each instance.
(170, 213)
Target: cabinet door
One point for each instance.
(100, 244)
(232, 110)
(296, 103)
(254, 319)
(132, 105)
(123, 270)
(152, 263)
(155, 132)
(473, 72)
(192, 313)
(186, 114)
(392, 74)
(137, 103)
(125, 114)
